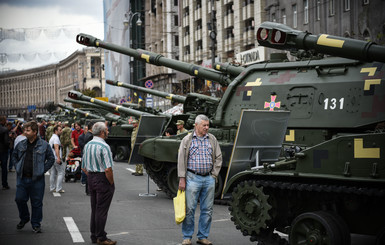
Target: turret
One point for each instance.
(172, 97)
(157, 59)
(279, 36)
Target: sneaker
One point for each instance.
(21, 224)
(204, 242)
(36, 229)
(106, 242)
(61, 191)
(186, 242)
(138, 174)
(5, 187)
(83, 184)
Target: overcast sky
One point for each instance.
(46, 17)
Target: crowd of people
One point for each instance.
(199, 162)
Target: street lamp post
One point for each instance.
(127, 22)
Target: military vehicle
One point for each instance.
(336, 107)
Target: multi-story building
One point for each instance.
(25, 93)
(361, 19)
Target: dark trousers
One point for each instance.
(26, 189)
(101, 196)
(4, 168)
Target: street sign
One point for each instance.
(149, 102)
(149, 84)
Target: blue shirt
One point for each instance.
(200, 157)
(97, 156)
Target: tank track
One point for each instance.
(160, 179)
(266, 235)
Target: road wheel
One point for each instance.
(121, 153)
(172, 180)
(315, 228)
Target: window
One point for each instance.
(229, 8)
(176, 40)
(318, 6)
(294, 7)
(229, 33)
(273, 19)
(199, 24)
(331, 7)
(347, 5)
(199, 4)
(249, 24)
(306, 11)
(175, 2)
(283, 14)
(176, 20)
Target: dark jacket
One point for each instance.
(4, 139)
(43, 158)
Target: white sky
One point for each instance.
(33, 15)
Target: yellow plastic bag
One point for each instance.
(180, 207)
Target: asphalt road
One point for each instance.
(132, 219)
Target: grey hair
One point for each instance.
(98, 128)
(201, 118)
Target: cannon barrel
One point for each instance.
(279, 36)
(79, 111)
(172, 97)
(229, 68)
(79, 96)
(156, 59)
(84, 103)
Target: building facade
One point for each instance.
(25, 93)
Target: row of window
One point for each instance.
(294, 11)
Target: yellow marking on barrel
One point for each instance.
(87, 114)
(117, 108)
(370, 70)
(92, 100)
(218, 67)
(249, 93)
(146, 57)
(169, 97)
(290, 136)
(75, 110)
(120, 83)
(256, 83)
(361, 152)
(369, 82)
(97, 43)
(195, 72)
(330, 42)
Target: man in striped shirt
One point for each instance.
(97, 164)
(199, 163)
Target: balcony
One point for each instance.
(229, 44)
(248, 11)
(198, 34)
(198, 55)
(248, 37)
(186, 40)
(229, 20)
(198, 14)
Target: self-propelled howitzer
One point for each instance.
(81, 112)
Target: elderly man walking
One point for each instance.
(97, 164)
(199, 163)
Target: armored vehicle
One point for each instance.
(334, 143)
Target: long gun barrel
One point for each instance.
(172, 97)
(79, 111)
(79, 96)
(84, 103)
(156, 59)
(229, 69)
(279, 36)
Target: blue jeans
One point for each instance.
(4, 168)
(202, 188)
(26, 189)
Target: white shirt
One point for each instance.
(55, 141)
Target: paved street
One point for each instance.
(132, 219)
